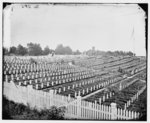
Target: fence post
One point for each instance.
(51, 97)
(29, 94)
(79, 107)
(69, 97)
(113, 111)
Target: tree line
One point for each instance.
(109, 53)
(34, 49)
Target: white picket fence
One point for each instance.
(75, 108)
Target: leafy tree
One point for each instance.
(21, 50)
(120, 53)
(34, 49)
(60, 49)
(5, 51)
(67, 50)
(13, 50)
(77, 52)
(130, 53)
(46, 50)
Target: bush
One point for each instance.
(17, 111)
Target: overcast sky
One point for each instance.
(107, 27)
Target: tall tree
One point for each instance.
(13, 50)
(5, 51)
(67, 50)
(60, 49)
(21, 50)
(77, 52)
(46, 50)
(34, 49)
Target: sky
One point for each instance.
(107, 27)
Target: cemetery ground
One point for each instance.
(87, 87)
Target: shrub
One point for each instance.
(13, 110)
